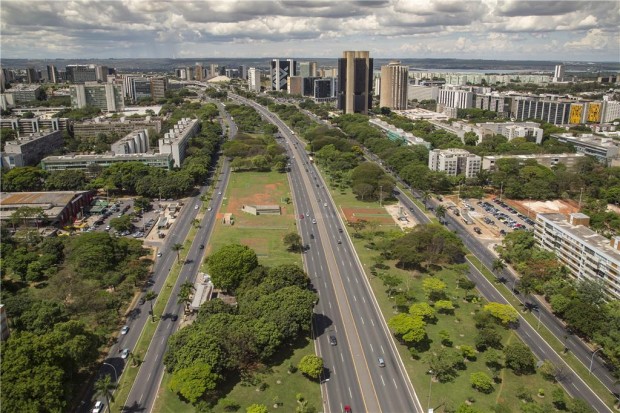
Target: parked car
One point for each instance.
(124, 330)
(125, 353)
(98, 407)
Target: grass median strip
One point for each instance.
(551, 339)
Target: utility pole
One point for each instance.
(380, 195)
(580, 196)
(501, 190)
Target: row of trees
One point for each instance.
(582, 304)
(274, 308)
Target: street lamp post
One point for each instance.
(430, 388)
(538, 326)
(592, 359)
(113, 368)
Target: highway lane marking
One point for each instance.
(372, 322)
(348, 279)
(382, 381)
(330, 304)
(362, 318)
(342, 357)
(354, 297)
(350, 394)
(371, 349)
(325, 284)
(394, 380)
(364, 299)
(383, 351)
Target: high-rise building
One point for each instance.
(325, 89)
(394, 82)
(140, 89)
(199, 72)
(243, 72)
(106, 96)
(81, 73)
(295, 85)
(355, 82)
(280, 71)
(52, 74)
(558, 74)
(29, 150)
(213, 70)
(31, 75)
(159, 86)
(307, 69)
(101, 73)
(254, 79)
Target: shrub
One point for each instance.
(481, 382)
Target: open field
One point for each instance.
(263, 233)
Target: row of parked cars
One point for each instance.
(508, 220)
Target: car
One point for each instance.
(174, 317)
(125, 353)
(202, 246)
(311, 236)
(301, 216)
(196, 207)
(124, 330)
(98, 407)
(313, 221)
(339, 241)
(332, 340)
(340, 230)
(209, 209)
(159, 254)
(219, 193)
(325, 204)
(477, 230)
(141, 301)
(381, 362)
(107, 228)
(347, 409)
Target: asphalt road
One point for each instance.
(142, 395)
(575, 386)
(347, 308)
(144, 391)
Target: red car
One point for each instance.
(347, 409)
(301, 216)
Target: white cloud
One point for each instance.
(595, 39)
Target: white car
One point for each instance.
(219, 193)
(98, 407)
(196, 207)
(124, 330)
(313, 221)
(125, 353)
(159, 254)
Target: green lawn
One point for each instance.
(262, 233)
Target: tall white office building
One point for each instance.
(558, 73)
(394, 81)
(254, 79)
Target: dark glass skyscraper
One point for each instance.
(355, 82)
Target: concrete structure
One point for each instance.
(106, 97)
(511, 130)
(254, 79)
(355, 82)
(394, 82)
(176, 140)
(454, 162)
(551, 111)
(37, 124)
(159, 87)
(52, 74)
(20, 93)
(570, 160)
(558, 73)
(397, 134)
(81, 73)
(605, 150)
(295, 85)
(93, 163)
(262, 209)
(280, 72)
(610, 109)
(420, 93)
(59, 207)
(453, 97)
(423, 114)
(587, 255)
(29, 150)
(495, 102)
(92, 127)
(135, 142)
(307, 69)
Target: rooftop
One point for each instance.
(536, 156)
(588, 139)
(22, 87)
(110, 155)
(584, 234)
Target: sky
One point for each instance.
(467, 29)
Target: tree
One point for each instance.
(468, 352)
(519, 358)
(177, 248)
(434, 288)
(230, 264)
(422, 310)
(505, 313)
(498, 265)
(122, 223)
(292, 241)
(185, 292)
(142, 203)
(444, 306)
(443, 363)
(256, 408)
(488, 337)
(150, 296)
(22, 179)
(311, 366)
(105, 387)
(465, 408)
(407, 328)
(481, 382)
(192, 382)
(440, 212)
(67, 180)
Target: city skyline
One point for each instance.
(485, 29)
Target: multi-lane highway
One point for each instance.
(347, 308)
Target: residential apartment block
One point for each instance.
(511, 130)
(29, 150)
(93, 163)
(135, 142)
(254, 79)
(36, 124)
(570, 160)
(20, 93)
(453, 97)
(587, 255)
(454, 162)
(176, 140)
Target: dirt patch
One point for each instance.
(401, 216)
(558, 206)
(265, 195)
(378, 215)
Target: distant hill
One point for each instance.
(167, 65)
